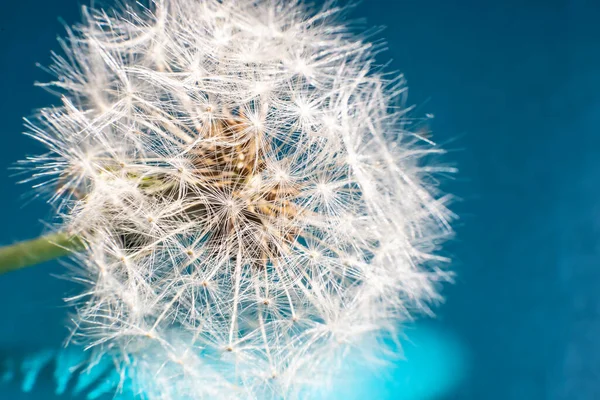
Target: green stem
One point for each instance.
(35, 251)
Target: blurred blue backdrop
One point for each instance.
(515, 88)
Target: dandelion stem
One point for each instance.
(38, 250)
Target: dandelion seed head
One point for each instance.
(252, 200)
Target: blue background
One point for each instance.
(515, 89)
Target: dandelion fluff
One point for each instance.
(253, 203)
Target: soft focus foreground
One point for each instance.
(435, 363)
(252, 197)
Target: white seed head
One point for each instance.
(253, 201)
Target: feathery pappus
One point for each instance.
(253, 202)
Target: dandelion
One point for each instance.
(250, 198)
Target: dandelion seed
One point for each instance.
(251, 198)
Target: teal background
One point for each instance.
(515, 89)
